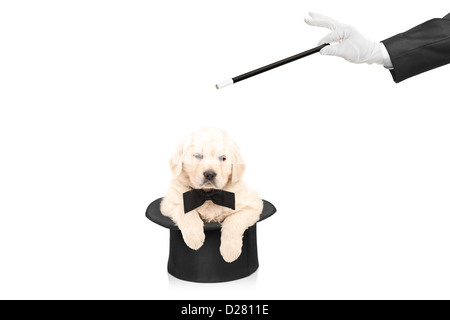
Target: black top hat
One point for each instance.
(206, 264)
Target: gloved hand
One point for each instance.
(351, 45)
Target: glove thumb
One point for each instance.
(331, 50)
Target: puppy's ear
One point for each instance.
(176, 161)
(238, 165)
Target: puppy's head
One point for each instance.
(208, 159)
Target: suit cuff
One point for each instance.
(387, 63)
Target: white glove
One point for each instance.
(352, 45)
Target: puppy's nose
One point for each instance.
(209, 175)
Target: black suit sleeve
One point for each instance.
(419, 49)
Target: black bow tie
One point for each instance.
(194, 198)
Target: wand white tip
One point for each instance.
(224, 84)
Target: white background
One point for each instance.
(95, 95)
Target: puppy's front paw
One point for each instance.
(193, 237)
(230, 249)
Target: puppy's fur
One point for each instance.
(211, 150)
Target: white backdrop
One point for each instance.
(95, 95)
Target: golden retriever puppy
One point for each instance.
(208, 159)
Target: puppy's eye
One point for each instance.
(222, 158)
(198, 156)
